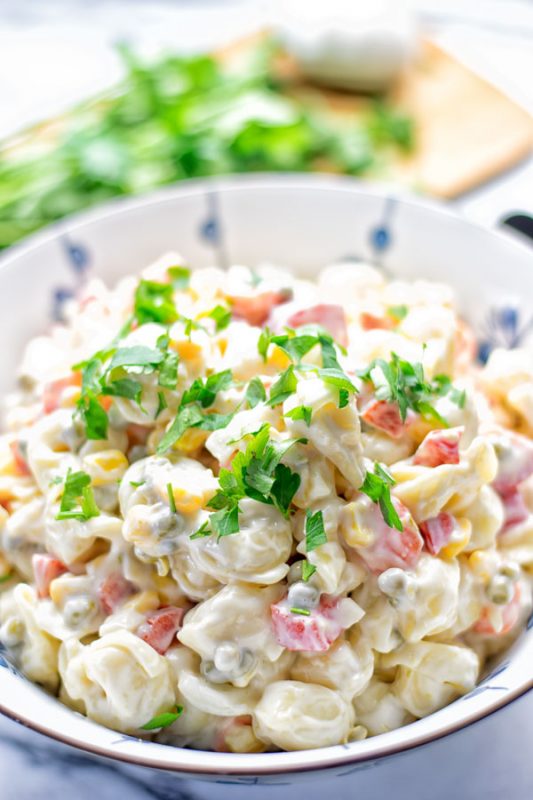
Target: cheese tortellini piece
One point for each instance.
(35, 651)
(430, 675)
(300, 716)
(118, 680)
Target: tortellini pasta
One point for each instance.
(242, 511)
(119, 680)
(299, 716)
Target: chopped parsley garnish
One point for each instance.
(161, 404)
(203, 531)
(93, 416)
(136, 484)
(221, 316)
(124, 387)
(136, 356)
(301, 412)
(154, 302)
(256, 473)
(255, 392)
(308, 570)
(77, 501)
(5, 578)
(163, 720)
(283, 387)
(296, 346)
(398, 312)
(304, 612)
(171, 499)
(398, 381)
(315, 534)
(377, 486)
(180, 277)
(200, 395)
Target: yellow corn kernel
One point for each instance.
(187, 349)
(186, 502)
(105, 466)
(461, 540)
(278, 358)
(191, 440)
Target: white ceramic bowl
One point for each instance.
(303, 222)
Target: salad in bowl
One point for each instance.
(244, 511)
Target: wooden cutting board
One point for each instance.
(467, 131)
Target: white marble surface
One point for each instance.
(495, 37)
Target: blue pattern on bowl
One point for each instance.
(505, 326)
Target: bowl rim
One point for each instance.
(195, 762)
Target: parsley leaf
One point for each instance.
(124, 387)
(94, 417)
(296, 347)
(315, 534)
(154, 302)
(256, 473)
(398, 381)
(283, 387)
(301, 412)
(77, 501)
(255, 392)
(163, 720)
(203, 531)
(171, 499)
(221, 316)
(226, 521)
(304, 612)
(377, 487)
(180, 277)
(168, 371)
(308, 570)
(136, 356)
(398, 312)
(263, 342)
(161, 404)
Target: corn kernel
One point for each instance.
(187, 349)
(278, 358)
(191, 440)
(106, 466)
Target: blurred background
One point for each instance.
(118, 97)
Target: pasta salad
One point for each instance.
(241, 511)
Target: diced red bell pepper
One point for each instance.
(46, 568)
(315, 632)
(515, 509)
(256, 309)
(369, 322)
(330, 317)
(113, 591)
(385, 416)
(439, 447)
(437, 531)
(160, 628)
